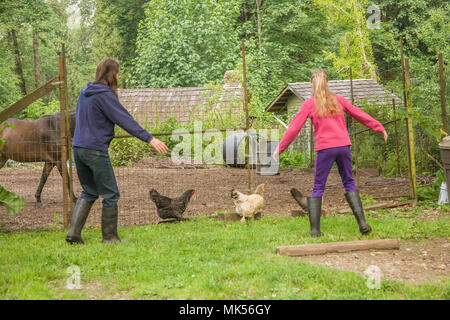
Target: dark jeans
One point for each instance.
(324, 161)
(96, 176)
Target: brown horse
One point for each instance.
(35, 141)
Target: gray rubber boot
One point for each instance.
(355, 204)
(109, 225)
(314, 212)
(79, 216)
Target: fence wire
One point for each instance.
(171, 177)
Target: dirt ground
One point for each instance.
(415, 261)
(213, 185)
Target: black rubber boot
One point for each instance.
(314, 212)
(79, 216)
(109, 225)
(354, 201)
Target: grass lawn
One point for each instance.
(206, 259)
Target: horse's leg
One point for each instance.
(48, 167)
(59, 166)
(2, 161)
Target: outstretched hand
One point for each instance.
(276, 156)
(159, 145)
(385, 136)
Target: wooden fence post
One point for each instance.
(405, 98)
(68, 135)
(247, 119)
(443, 102)
(355, 143)
(62, 103)
(410, 133)
(399, 170)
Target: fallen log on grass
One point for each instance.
(322, 248)
(378, 206)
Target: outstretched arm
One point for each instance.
(117, 114)
(293, 130)
(362, 117)
(120, 116)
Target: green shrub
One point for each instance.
(39, 108)
(126, 151)
(432, 190)
(367, 199)
(295, 158)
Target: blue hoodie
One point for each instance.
(98, 110)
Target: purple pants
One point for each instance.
(324, 161)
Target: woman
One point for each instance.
(326, 111)
(98, 111)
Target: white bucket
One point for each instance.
(443, 195)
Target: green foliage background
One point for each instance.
(179, 43)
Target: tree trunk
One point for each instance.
(258, 15)
(368, 65)
(19, 68)
(37, 69)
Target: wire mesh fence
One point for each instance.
(31, 157)
(212, 167)
(211, 175)
(211, 161)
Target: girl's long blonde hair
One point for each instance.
(325, 100)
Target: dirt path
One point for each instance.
(415, 262)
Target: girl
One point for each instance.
(326, 111)
(98, 110)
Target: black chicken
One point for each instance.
(301, 200)
(168, 208)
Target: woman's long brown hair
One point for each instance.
(324, 99)
(108, 73)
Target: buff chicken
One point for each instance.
(247, 206)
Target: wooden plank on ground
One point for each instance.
(323, 248)
(379, 206)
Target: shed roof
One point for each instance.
(150, 104)
(363, 89)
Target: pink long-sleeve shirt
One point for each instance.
(330, 132)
